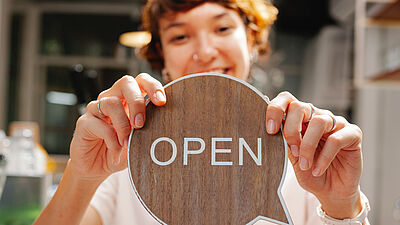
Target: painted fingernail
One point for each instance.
(316, 171)
(303, 163)
(295, 150)
(139, 120)
(271, 127)
(160, 96)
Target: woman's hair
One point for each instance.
(257, 15)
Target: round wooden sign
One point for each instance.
(205, 156)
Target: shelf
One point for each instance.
(380, 1)
(382, 23)
(383, 14)
(376, 26)
(87, 61)
(392, 75)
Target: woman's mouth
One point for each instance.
(218, 70)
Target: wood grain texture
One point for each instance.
(200, 193)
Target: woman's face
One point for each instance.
(207, 38)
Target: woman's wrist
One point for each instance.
(71, 199)
(81, 181)
(77, 175)
(342, 208)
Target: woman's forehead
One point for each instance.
(206, 11)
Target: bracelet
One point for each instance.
(358, 220)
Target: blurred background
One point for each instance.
(57, 55)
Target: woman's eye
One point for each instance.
(223, 29)
(178, 38)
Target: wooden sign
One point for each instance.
(205, 157)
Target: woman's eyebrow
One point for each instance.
(173, 24)
(180, 24)
(218, 16)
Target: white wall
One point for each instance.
(377, 113)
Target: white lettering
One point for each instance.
(186, 152)
(257, 159)
(214, 150)
(174, 151)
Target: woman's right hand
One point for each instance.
(100, 142)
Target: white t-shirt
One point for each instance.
(116, 202)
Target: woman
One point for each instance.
(191, 37)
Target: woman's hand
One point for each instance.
(100, 141)
(325, 151)
(99, 147)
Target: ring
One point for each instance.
(98, 108)
(267, 98)
(312, 111)
(334, 123)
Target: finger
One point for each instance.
(123, 159)
(276, 109)
(94, 109)
(318, 126)
(152, 87)
(297, 114)
(99, 129)
(348, 138)
(127, 88)
(113, 108)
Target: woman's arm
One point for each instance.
(70, 202)
(325, 151)
(312, 206)
(91, 217)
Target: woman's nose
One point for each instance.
(205, 50)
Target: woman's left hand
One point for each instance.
(325, 151)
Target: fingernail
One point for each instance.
(139, 120)
(271, 127)
(160, 96)
(316, 171)
(295, 150)
(303, 163)
(126, 142)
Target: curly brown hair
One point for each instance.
(257, 15)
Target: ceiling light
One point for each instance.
(135, 39)
(61, 98)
